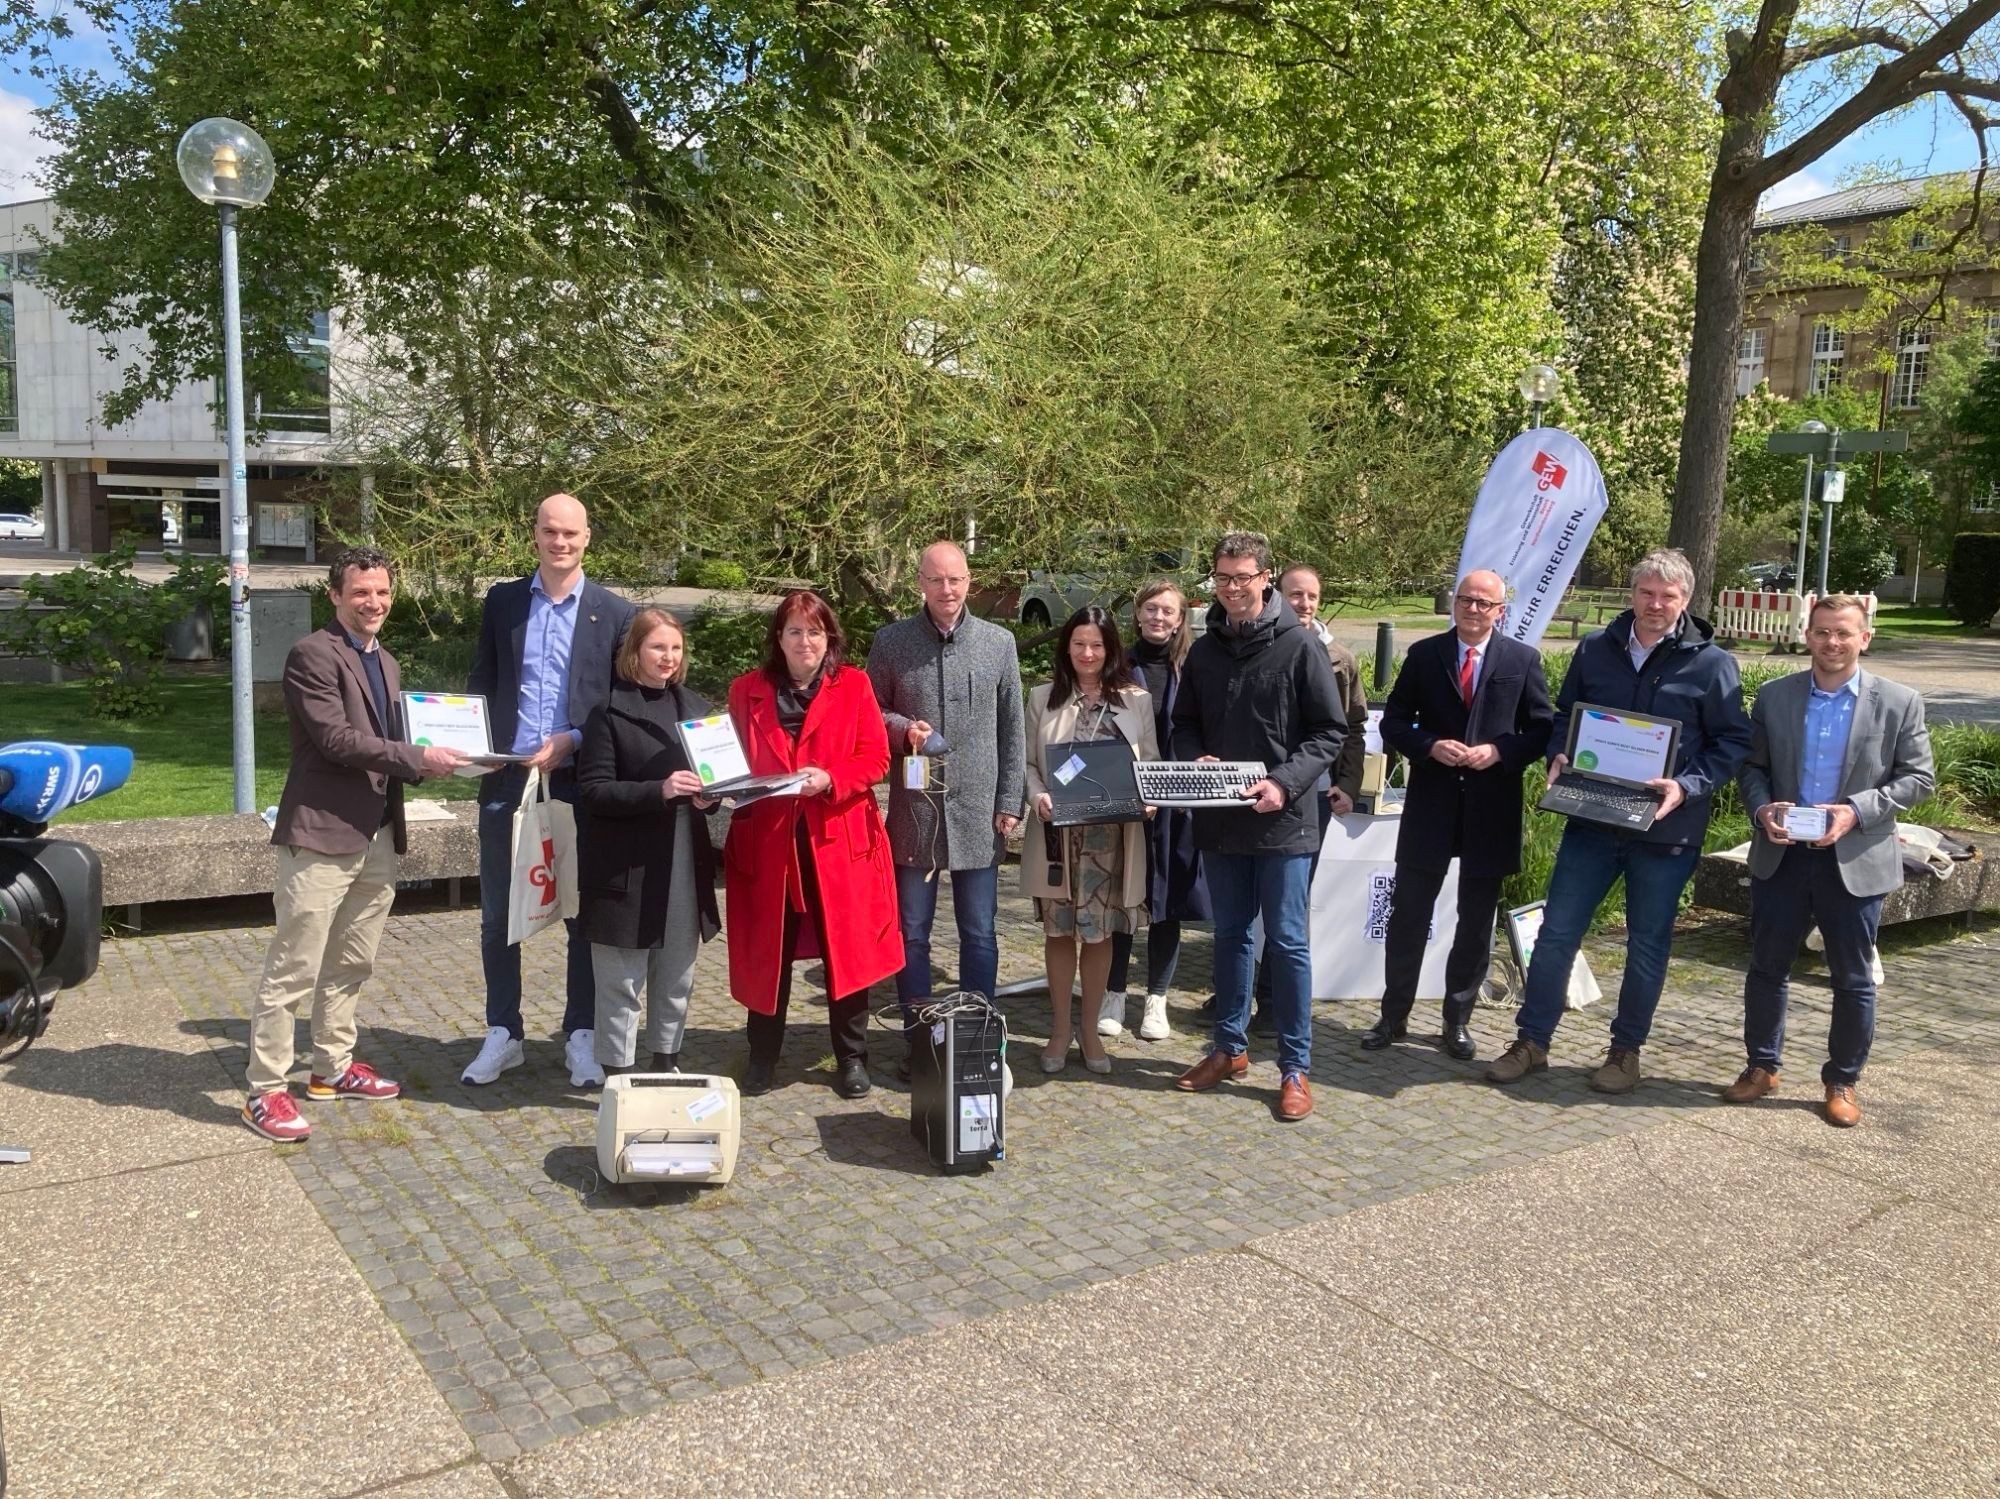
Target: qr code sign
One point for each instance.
(1381, 895)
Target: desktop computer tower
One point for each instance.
(957, 1087)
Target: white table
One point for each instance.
(1350, 910)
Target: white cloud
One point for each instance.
(23, 151)
(1796, 188)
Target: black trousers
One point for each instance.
(846, 1017)
(1410, 910)
(1163, 956)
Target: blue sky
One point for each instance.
(1927, 137)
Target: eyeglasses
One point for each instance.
(1239, 580)
(958, 582)
(1480, 606)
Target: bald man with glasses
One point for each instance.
(1470, 710)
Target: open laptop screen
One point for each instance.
(1616, 744)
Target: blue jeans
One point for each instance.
(1588, 864)
(1277, 888)
(1808, 890)
(499, 795)
(975, 895)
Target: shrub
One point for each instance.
(1972, 588)
(102, 621)
(718, 573)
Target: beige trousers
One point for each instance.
(331, 910)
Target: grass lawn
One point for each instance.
(1920, 622)
(181, 757)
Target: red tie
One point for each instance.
(1465, 674)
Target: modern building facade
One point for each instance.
(158, 478)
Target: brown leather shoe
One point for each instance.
(1751, 1086)
(1842, 1111)
(1295, 1098)
(1214, 1068)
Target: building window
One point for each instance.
(1758, 259)
(306, 404)
(1828, 350)
(1992, 331)
(1837, 247)
(1920, 240)
(1913, 365)
(10, 406)
(1751, 351)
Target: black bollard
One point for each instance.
(1385, 652)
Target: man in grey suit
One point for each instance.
(1851, 745)
(950, 690)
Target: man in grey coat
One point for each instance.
(1847, 749)
(950, 690)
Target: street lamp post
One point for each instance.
(229, 165)
(1538, 386)
(1805, 514)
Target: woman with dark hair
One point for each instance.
(1091, 885)
(646, 874)
(1176, 891)
(810, 875)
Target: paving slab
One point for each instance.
(119, 1081)
(195, 1329)
(1260, 1382)
(471, 1481)
(1760, 1325)
(1929, 1126)
(961, 1411)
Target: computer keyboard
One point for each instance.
(1575, 796)
(1196, 783)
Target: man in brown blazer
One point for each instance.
(339, 830)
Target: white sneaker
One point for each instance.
(497, 1053)
(1155, 1027)
(1111, 1013)
(580, 1051)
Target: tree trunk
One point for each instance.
(1711, 388)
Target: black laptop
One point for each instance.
(1091, 781)
(1612, 753)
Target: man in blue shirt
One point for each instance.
(1851, 747)
(546, 645)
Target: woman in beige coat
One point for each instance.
(1089, 882)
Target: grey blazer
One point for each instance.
(1888, 771)
(968, 688)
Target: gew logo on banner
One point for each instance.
(1549, 474)
(1381, 895)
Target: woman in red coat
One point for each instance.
(810, 875)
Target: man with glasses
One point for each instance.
(1657, 659)
(1257, 686)
(1470, 711)
(950, 689)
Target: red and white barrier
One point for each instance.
(1747, 614)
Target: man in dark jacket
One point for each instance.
(1257, 687)
(543, 663)
(1657, 659)
(338, 832)
(1470, 709)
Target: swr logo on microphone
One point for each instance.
(543, 875)
(1549, 474)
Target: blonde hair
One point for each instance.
(643, 624)
(1183, 640)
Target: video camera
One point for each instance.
(51, 890)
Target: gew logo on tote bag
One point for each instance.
(543, 888)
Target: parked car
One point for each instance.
(1770, 577)
(24, 527)
(1108, 567)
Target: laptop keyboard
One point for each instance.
(1196, 783)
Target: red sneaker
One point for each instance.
(358, 1081)
(274, 1116)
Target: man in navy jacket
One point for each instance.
(546, 644)
(1470, 709)
(1657, 659)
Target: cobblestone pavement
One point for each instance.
(543, 1302)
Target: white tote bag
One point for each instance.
(544, 881)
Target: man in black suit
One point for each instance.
(1470, 709)
(546, 644)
